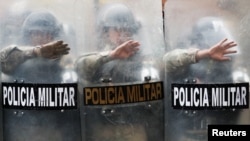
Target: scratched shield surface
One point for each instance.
(202, 24)
(122, 99)
(31, 112)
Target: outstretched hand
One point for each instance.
(52, 50)
(219, 50)
(125, 50)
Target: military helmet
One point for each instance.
(209, 31)
(41, 20)
(117, 16)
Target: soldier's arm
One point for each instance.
(125, 50)
(87, 65)
(11, 57)
(180, 58)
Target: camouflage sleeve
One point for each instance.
(87, 65)
(12, 56)
(179, 58)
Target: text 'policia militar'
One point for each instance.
(123, 94)
(200, 96)
(39, 96)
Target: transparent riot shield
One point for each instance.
(1, 116)
(200, 25)
(119, 72)
(39, 97)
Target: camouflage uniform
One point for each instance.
(87, 65)
(12, 56)
(179, 58)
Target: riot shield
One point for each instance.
(119, 72)
(201, 25)
(39, 97)
(1, 116)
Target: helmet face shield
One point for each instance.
(38, 37)
(118, 36)
(125, 30)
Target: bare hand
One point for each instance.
(125, 50)
(52, 50)
(218, 51)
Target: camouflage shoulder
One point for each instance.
(81, 59)
(5, 52)
(85, 55)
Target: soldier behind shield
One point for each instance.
(37, 60)
(210, 62)
(38, 53)
(120, 60)
(40, 27)
(116, 27)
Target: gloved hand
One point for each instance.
(52, 50)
